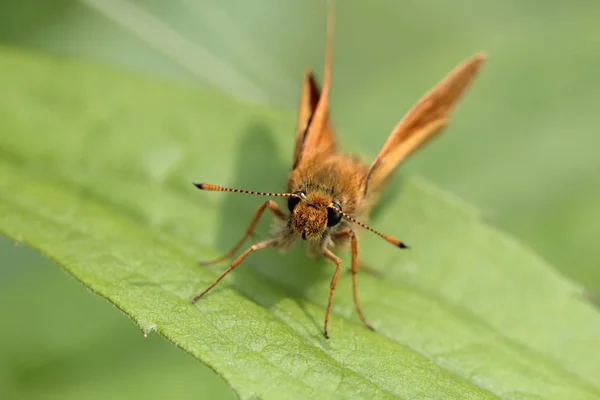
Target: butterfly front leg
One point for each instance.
(338, 262)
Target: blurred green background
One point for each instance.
(523, 147)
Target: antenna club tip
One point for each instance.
(199, 185)
(403, 246)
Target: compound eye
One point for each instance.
(334, 215)
(293, 200)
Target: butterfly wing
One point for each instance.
(423, 121)
(325, 140)
(314, 134)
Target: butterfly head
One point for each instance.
(312, 214)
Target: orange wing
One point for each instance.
(423, 121)
(314, 134)
(311, 93)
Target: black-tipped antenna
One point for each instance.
(387, 238)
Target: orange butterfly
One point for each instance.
(329, 193)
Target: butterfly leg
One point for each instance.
(338, 266)
(355, 264)
(238, 261)
(273, 207)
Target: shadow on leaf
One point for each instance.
(260, 167)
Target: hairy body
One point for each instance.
(325, 182)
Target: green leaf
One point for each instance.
(95, 172)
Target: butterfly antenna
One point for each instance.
(215, 188)
(387, 238)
